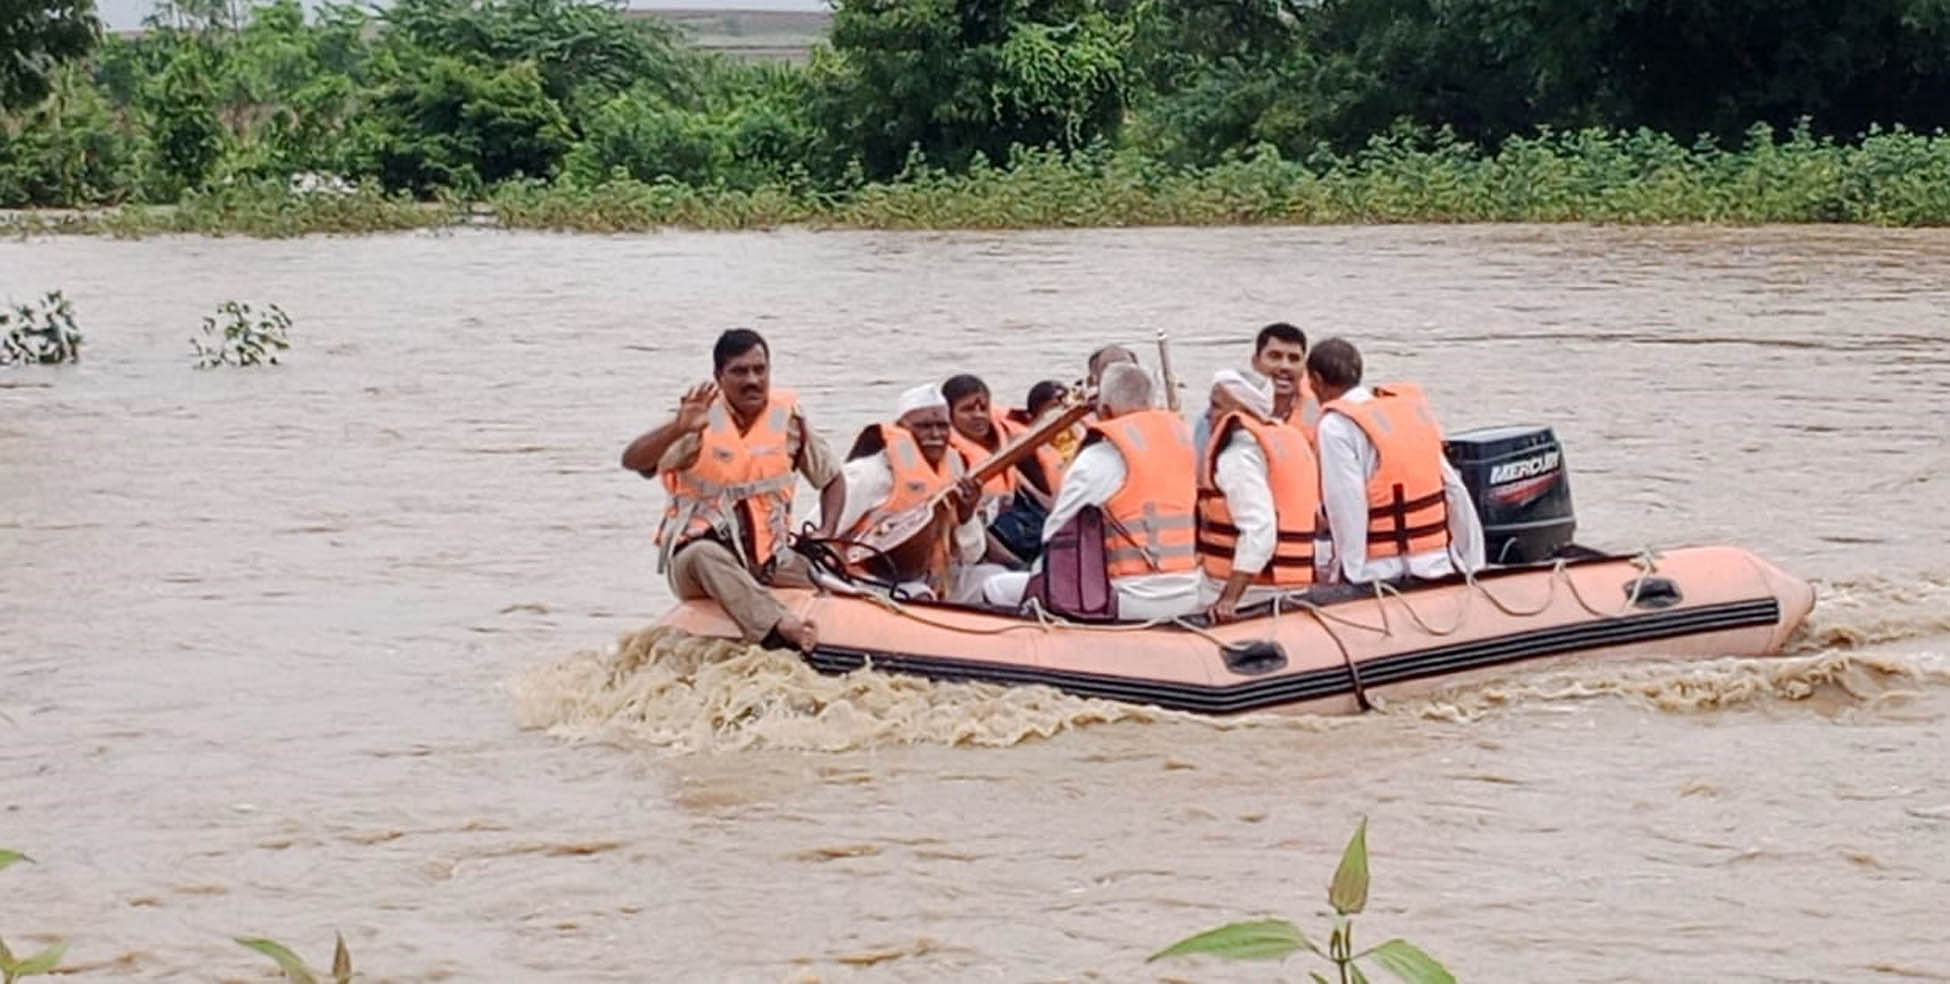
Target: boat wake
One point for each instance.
(1872, 642)
(1872, 609)
(663, 688)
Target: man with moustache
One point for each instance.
(729, 459)
(898, 466)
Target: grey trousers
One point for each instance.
(708, 569)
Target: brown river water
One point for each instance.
(333, 646)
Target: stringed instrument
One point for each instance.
(912, 539)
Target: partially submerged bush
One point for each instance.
(42, 333)
(242, 337)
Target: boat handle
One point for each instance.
(1254, 656)
(1653, 592)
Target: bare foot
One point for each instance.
(800, 632)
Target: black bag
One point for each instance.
(1020, 527)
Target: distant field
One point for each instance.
(781, 35)
(786, 35)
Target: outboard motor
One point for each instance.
(1517, 479)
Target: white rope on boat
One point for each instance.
(1045, 620)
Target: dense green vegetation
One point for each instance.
(564, 114)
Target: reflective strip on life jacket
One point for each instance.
(740, 487)
(1293, 478)
(1152, 528)
(915, 481)
(1407, 510)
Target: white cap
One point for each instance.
(923, 397)
(1245, 390)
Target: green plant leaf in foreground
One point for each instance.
(293, 967)
(1408, 962)
(39, 963)
(1348, 893)
(1259, 939)
(8, 857)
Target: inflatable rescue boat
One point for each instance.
(1542, 596)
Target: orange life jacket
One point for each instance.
(1151, 516)
(915, 481)
(1407, 512)
(740, 487)
(1002, 485)
(1292, 475)
(1052, 456)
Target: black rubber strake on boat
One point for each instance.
(1274, 689)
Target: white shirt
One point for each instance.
(1241, 475)
(870, 480)
(1093, 477)
(1347, 460)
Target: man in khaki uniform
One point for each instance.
(729, 459)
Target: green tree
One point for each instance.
(179, 115)
(68, 150)
(451, 124)
(1220, 75)
(955, 78)
(35, 37)
(750, 128)
(583, 49)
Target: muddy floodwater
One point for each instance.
(332, 646)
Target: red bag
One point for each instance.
(1073, 582)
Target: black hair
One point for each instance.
(1282, 331)
(959, 388)
(1337, 362)
(870, 441)
(735, 343)
(1041, 395)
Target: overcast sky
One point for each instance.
(129, 13)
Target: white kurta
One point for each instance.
(870, 480)
(1096, 475)
(1347, 460)
(1240, 474)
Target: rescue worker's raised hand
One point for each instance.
(694, 409)
(968, 495)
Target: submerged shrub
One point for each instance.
(40, 333)
(242, 337)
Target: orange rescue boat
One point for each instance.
(1542, 597)
(1692, 602)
